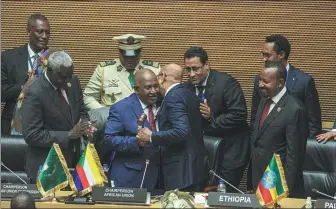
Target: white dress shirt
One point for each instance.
(62, 90)
(32, 57)
(277, 98)
(203, 84)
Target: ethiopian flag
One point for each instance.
(89, 171)
(272, 186)
(54, 174)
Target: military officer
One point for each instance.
(113, 80)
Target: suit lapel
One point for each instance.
(22, 60)
(137, 109)
(70, 95)
(52, 93)
(291, 78)
(209, 87)
(277, 109)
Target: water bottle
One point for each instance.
(221, 187)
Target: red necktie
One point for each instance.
(151, 118)
(265, 111)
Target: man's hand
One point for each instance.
(326, 136)
(205, 110)
(80, 129)
(143, 136)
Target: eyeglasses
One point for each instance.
(194, 69)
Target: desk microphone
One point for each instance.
(238, 190)
(143, 176)
(13, 173)
(326, 195)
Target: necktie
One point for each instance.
(151, 118)
(265, 111)
(131, 78)
(36, 65)
(200, 91)
(62, 98)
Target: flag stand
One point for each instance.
(54, 199)
(276, 205)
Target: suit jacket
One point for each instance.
(229, 114)
(14, 68)
(128, 159)
(47, 120)
(180, 137)
(302, 86)
(109, 83)
(284, 132)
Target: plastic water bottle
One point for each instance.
(221, 187)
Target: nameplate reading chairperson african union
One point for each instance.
(323, 203)
(9, 190)
(120, 195)
(232, 199)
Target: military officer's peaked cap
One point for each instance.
(129, 43)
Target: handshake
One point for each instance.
(144, 134)
(84, 127)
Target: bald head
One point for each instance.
(146, 86)
(143, 74)
(22, 200)
(173, 70)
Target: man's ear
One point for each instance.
(136, 89)
(281, 83)
(282, 55)
(207, 65)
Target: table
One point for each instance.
(285, 203)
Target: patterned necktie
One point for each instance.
(265, 111)
(151, 118)
(131, 77)
(36, 65)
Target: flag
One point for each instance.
(272, 186)
(54, 174)
(89, 172)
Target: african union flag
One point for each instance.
(272, 186)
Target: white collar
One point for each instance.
(32, 53)
(206, 79)
(143, 104)
(287, 67)
(45, 73)
(277, 97)
(172, 86)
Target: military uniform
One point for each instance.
(110, 83)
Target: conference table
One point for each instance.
(285, 203)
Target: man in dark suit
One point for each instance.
(330, 135)
(298, 83)
(129, 157)
(15, 64)
(180, 135)
(53, 112)
(280, 127)
(223, 105)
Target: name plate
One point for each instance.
(9, 190)
(233, 199)
(120, 195)
(324, 203)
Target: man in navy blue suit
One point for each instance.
(328, 135)
(298, 83)
(128, 156)
(180, 135)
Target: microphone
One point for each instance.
(13, 173)
(326, 195)
(238, 190)
(143, 176)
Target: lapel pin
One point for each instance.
(279, 109)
